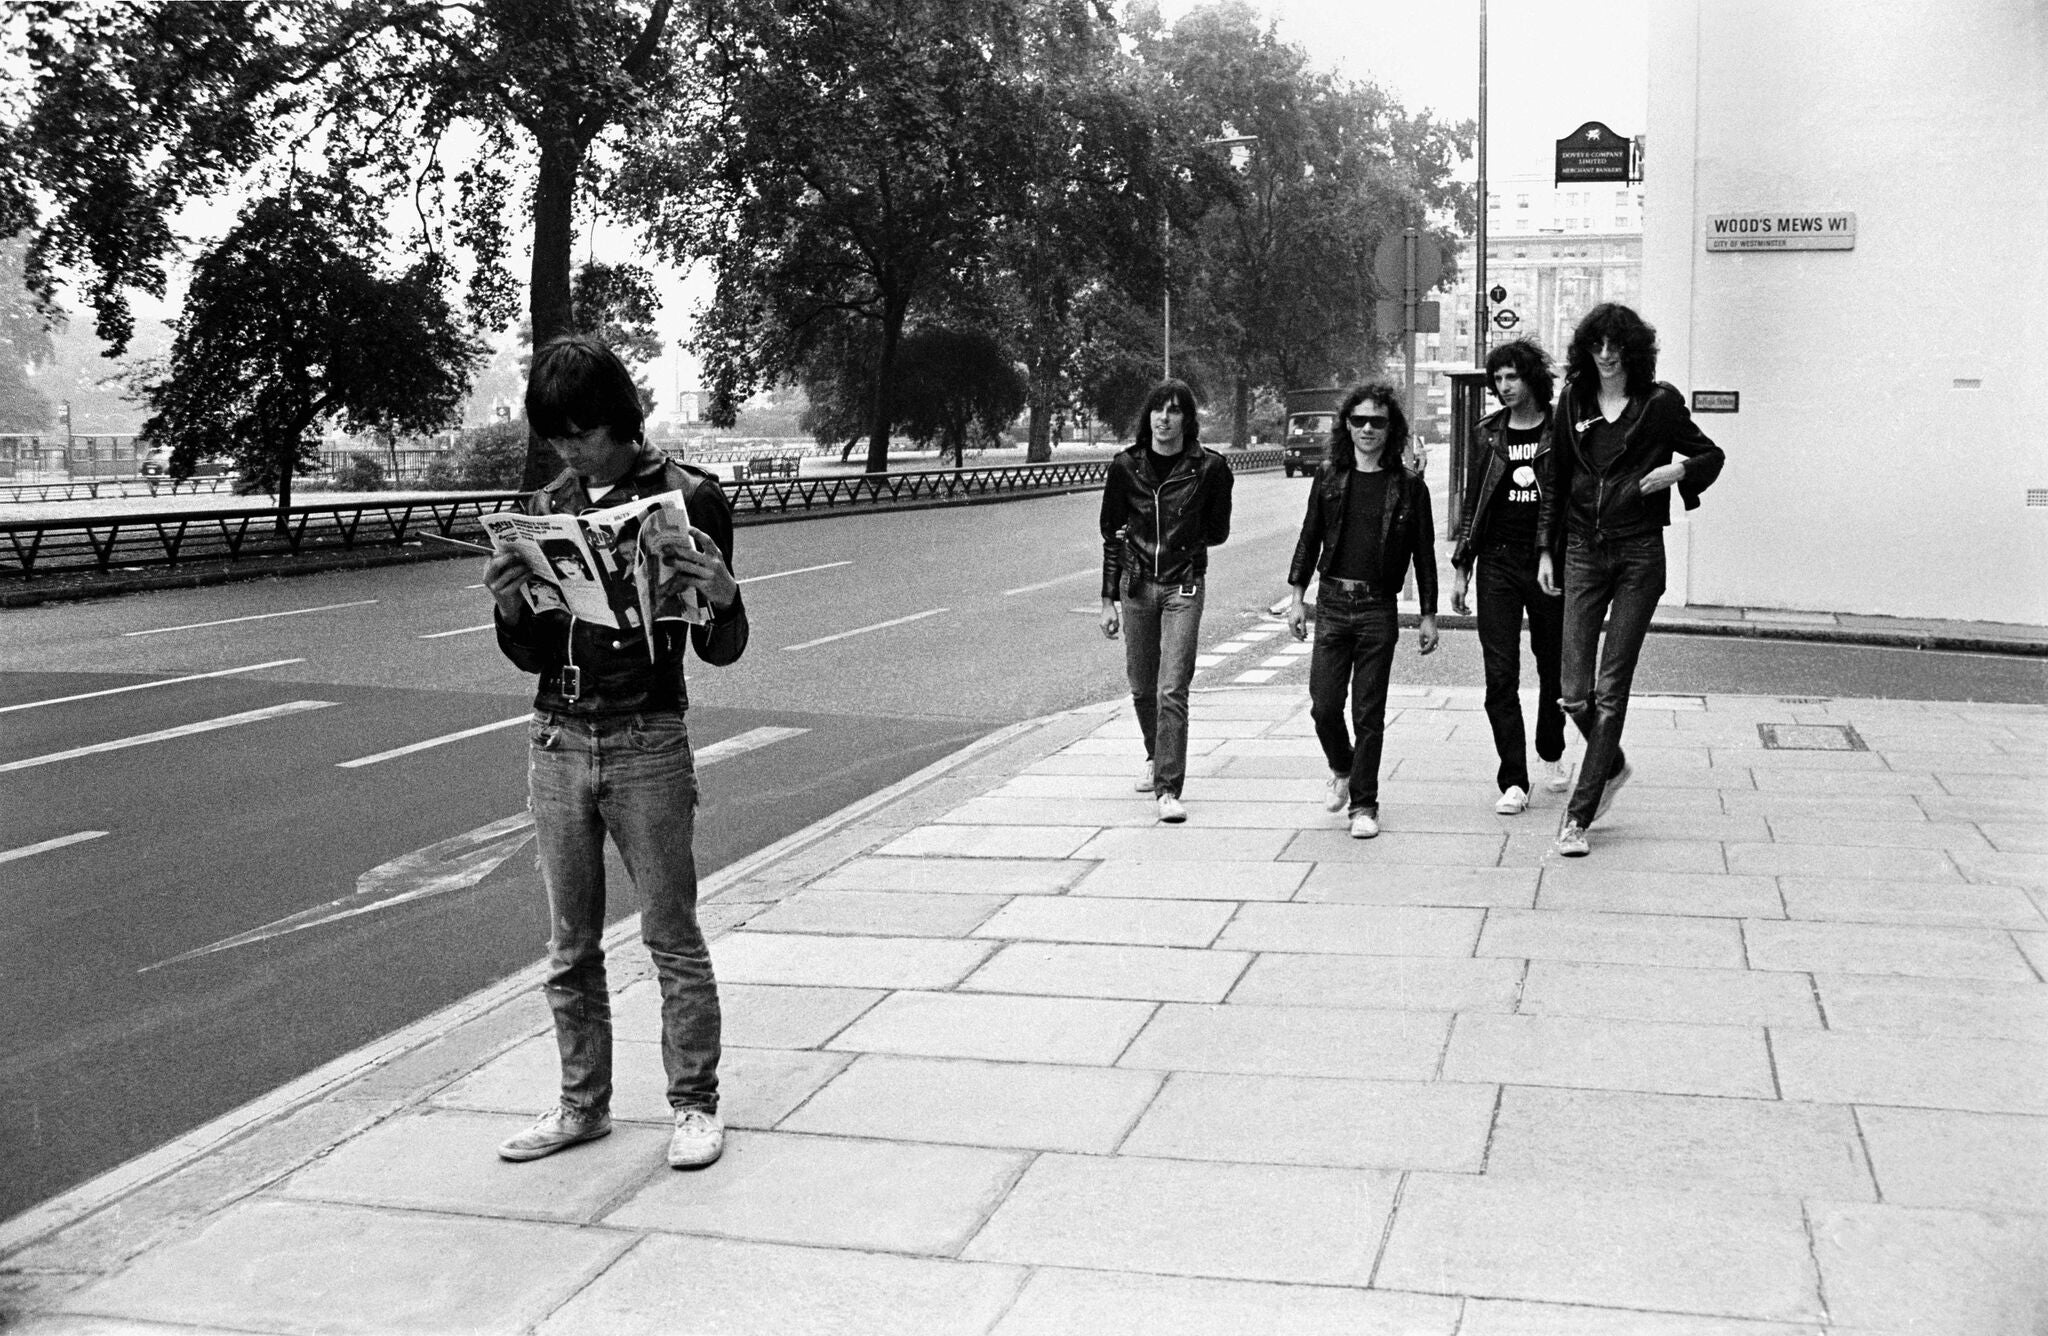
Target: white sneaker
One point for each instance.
(1571, 840)
(698, 1140)
(1364, 825)
(1170, 810)
(1146, 779)
(1513, 802)
(1557, 776)
(558, 1129)
(1339, 793)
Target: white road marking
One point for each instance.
(1280, 661)
(144, 686)
(447, 865)
(29, 850)
(1082, 574)
(1209, 660)
(863, 630)
(458, 631)
(166, 734)
(801, 570)
(1255, 676)
(254, 617)
(412, 747)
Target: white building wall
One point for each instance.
(1892, 416)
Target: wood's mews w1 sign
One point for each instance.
(1781, 231)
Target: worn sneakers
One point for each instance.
(1571, 840)
(698, 1140)
(1146, 779)
(1170, 810)
(558, 1129)
(1614, 783)
(1365, 823)
(1557, 776)
(1514, 800)
(1338, 794)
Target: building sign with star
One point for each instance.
(1592, 153)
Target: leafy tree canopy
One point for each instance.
(956, 383)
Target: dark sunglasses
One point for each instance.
(1377, 421)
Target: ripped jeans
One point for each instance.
(1619, 580)
(634, 777)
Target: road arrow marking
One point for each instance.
(164, 735)
(452, 864)
(144, 686)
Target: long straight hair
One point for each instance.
(1342, 456)
(1636, 338)
(1170, 391)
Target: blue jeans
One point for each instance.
(1622, 580)
(1162, 626)
(632, 776)
(1506, 584)
(1356, 634)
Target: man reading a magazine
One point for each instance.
(610, 752)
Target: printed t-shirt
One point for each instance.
(1511, 518)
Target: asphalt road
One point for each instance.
(880, 642)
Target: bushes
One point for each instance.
(488, 459)
(362, 473)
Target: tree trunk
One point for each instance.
(1241, 412)
(893, 312)
(554, 238)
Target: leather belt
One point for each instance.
(1363, 587)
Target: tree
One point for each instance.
(286, 327)
(953, 382)
(134, 110)
(25, 344)
(616, 304)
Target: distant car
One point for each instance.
(1308, 438)
(157, 464)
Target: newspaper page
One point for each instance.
(633, 540)
(568, 573)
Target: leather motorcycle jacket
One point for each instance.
(1161, 528)
(1407, 534)
(1601, 506)
(1486, 463)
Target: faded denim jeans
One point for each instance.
(1506, 584)
(632, 776)
(1619, 580)
(1356, 634)
(1162, 627)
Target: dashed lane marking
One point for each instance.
(253, 617)
(458, 631)
(1084, 573)
(30, 850)
(145, 686)
(801, 570)
(412, 747)
(166, 734)
(863, 630)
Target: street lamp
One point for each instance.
(1166, 250)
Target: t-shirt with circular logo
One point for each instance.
(1511, 518)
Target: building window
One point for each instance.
(1619, 222)
(1521, 201)
(1493, 201)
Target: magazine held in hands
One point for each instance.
(585, 564)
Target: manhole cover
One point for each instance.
(1810, 737)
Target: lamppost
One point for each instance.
(1166, 250)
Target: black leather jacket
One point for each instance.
(1604, 506)
(1162, 530)
(617, 677)
(1486, 463)
(1407, 534)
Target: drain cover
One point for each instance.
(1810, 737)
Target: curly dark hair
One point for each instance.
(1342, 456)
(576, 379)
(1190, 423)
(1634, 335)
(1528, 360)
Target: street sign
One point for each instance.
(1428, 316)
(1781, 231)
(1506, 319)
(1389, 264)
(1496, 294)
(1593, 153)
(1717, 401)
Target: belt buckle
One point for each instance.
(569, 681)
(1188, 590)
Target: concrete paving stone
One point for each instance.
(1102, 919)
(968, 876)
(1659, 1249)
(1602, 1053)
(1394, 846)
(268, 1265)
(1058, 1302)
(1304, 748)
(1127, 746)
(1308, 1226)
(1910, 902)
(1943, 1273)
(1602, 888)
(1633, 848)
(1350, 929)
(1190, 843)
(1669, 993)
(2034, 945)
(1418, 884)
(1788, 829)
(1840, 782)
(1612, 939)
(1379, 983)
(1882, 948)
(2002, 869)
(1224, 879)
(989, 842)
(1028, 1106)
(878, 913)
(1990, 1162)
(1273, 767)
(1761, 759)
(1122, 760)
(762, 1289)
(1984, 1008)
(2018, 837)
(1950, 1072)
(1849, 807)
(1000, 1027)
(845, 961)
(1303, 1120)
(2028, 810)
(447, 1160)
(1107, 787)
(1212, 811)
(1509, 1317)
(1871, 862)
(1631, 822)
(1291, 1041)
(1950, 760)
(1145, 973)
(1759, 1146)
(1471, 817)
(1127, 809)
(830, 1192)
(765, 1015)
